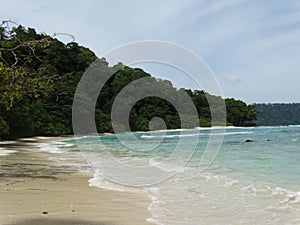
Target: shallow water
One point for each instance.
(255, 182)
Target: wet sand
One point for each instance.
(37, 191)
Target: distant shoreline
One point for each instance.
(67, 137)
(73, 136)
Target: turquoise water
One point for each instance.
(272, 159)
(255, 182)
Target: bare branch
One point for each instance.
(16, 59)
(27, 72)
(65, 34)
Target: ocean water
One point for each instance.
(256, 182)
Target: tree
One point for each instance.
(39, 76)
(278, 114)
(239, 113)
(23, 71)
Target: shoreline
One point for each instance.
(39, 186)
(74, 136)
(38, 191)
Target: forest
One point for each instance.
(39, 75)
(278, 114)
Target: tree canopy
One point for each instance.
(39, 75)
(279, 114)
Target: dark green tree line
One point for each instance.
(39, 75)
(278, 114)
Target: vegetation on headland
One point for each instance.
(278, 114)
(39, 75)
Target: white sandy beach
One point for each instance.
(36, 190)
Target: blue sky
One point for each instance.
(253, 47)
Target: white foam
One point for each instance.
(5, 152)
(63, 144)
(102, 182)
(169, 136)
(293, 125)
(53, 147)
(49, 147)
(43, 138)
(195, 135)
(27, 139)
(238, 132)
(290, 196)
(170, 167)
(7, 142)
(154, 221)
(219, 194)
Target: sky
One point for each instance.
(251, 46)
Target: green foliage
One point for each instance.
(239, 113)
(20, 121)
(103, 121)
(23, 71)
(204, 123)
(278, 114)
(39, 77)
(4, 129)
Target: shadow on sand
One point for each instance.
(59, 222)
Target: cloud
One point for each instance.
(232, 79)
(259, 41)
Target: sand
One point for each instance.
(37, 191)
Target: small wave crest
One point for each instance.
(165, 166)
(53, 147)
(101, 182)
(214, 196)
(49, 147)
(194, 135)
(168, 136)
(5, 152)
